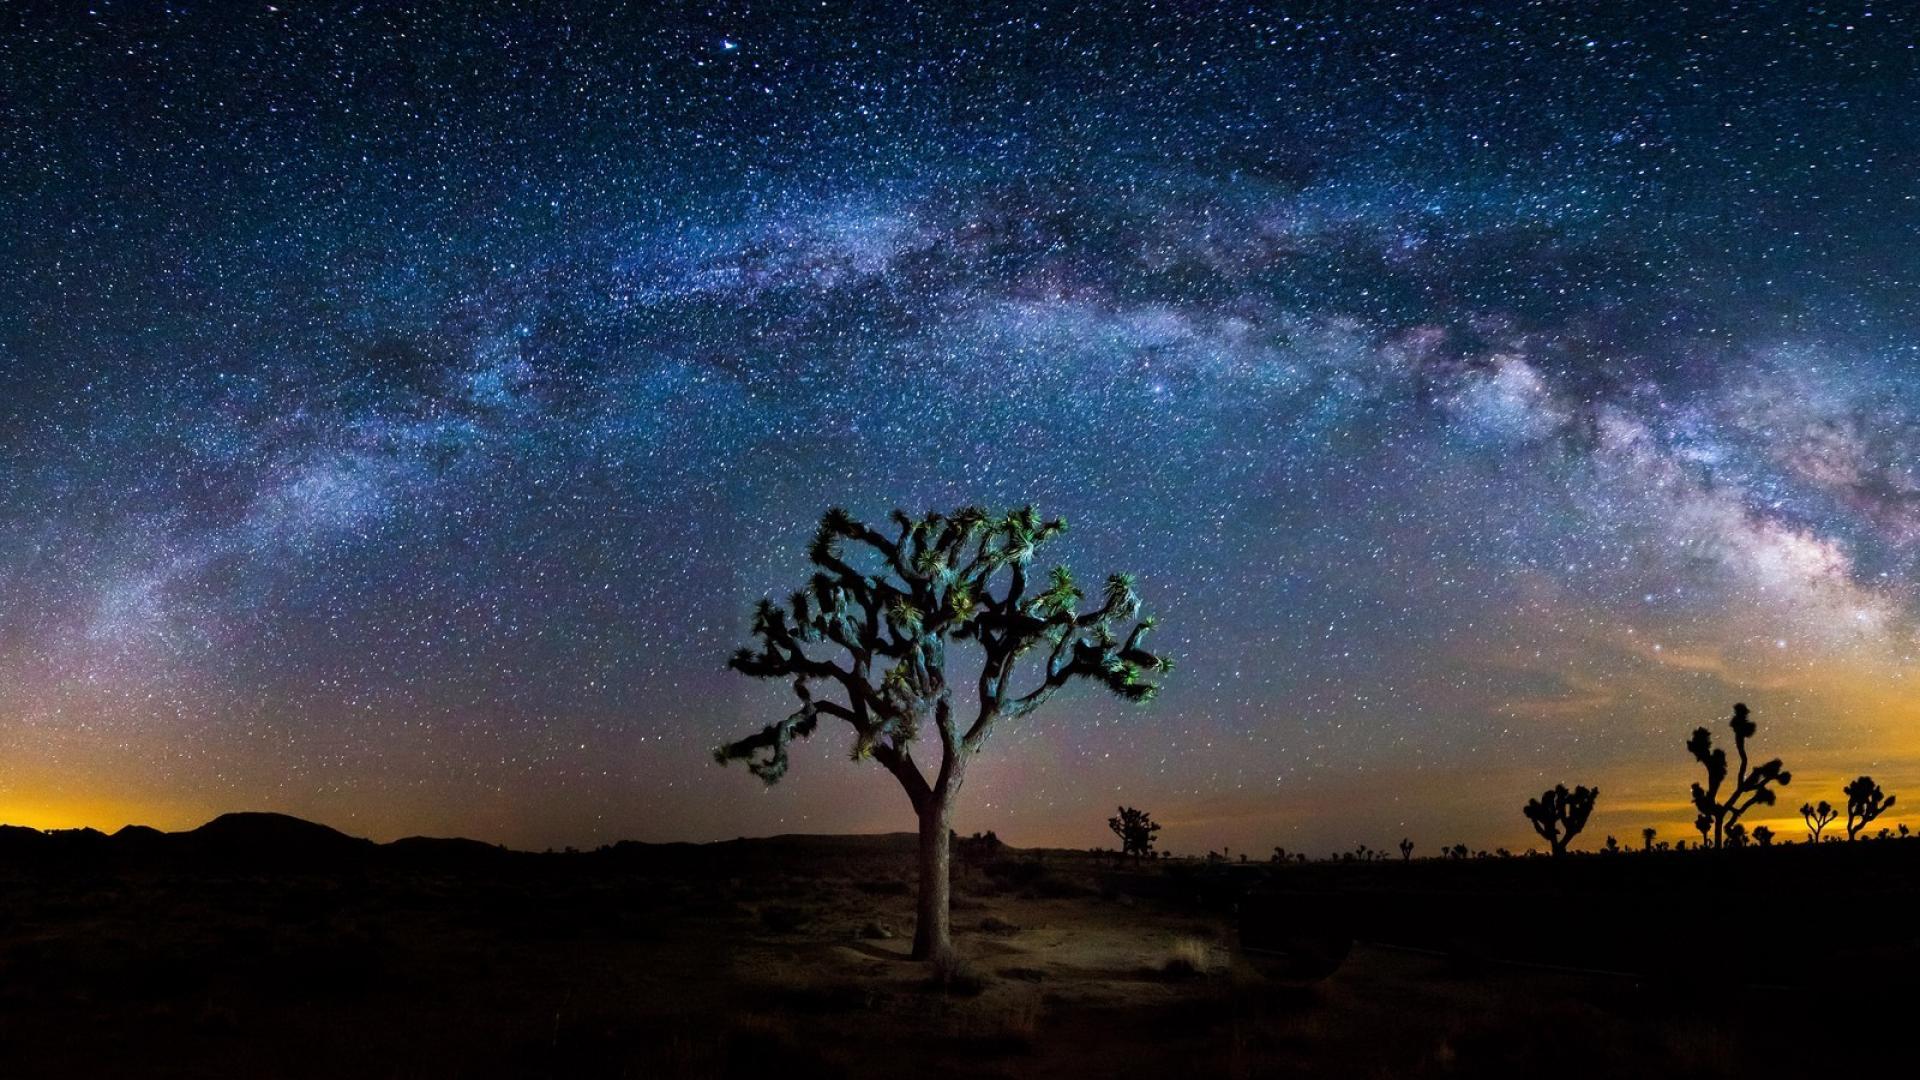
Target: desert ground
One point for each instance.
(271, 950)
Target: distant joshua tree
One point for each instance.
(1763, 836)
(1818, 816)
(1558, 815)
(1865, 801)
(1751, 786)
(1135, 828)
(1612, 846)
(1457, 851)
(1406, 849)
(1736, 835)
(1646, 838)
(866, 642)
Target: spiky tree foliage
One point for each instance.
(866, 642)
(1135, 828)
(1752, 785)
(1406, 849)
(1818, 816)
(1646, 838)
(1865, 801)
(1558, 815)
(1763, 836)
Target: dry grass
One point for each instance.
(1190, 958)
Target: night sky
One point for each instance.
(400, 409)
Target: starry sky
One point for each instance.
(401, 406)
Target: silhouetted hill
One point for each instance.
(264, 840)
(252, 830)
(445, 852)
(253, 840)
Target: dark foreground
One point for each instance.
(267, 948)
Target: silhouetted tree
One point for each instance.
(1612, 846)
(873, 626)
(1736, 835)
(1558, 815)
(1406, 849)
(1865, 801)
(1457, 851)
(1135, 828)
(1751, 786)
(1763, 836)
(1646, 838)
(1818, 816)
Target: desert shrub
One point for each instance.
(1015, 873)
(784, 918)
(1054, 887)
(956, 976)
(1189, 958)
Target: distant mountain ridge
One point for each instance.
(243, 838)
(254, 839)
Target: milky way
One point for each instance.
(402, 410)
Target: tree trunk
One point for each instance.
(932, 933)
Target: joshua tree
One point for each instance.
(1406, 849)
(1751, 786)
(1818, 816)
(1612, 846)
(1558, 815)
(1135, 828)
(866, 642)
(1763, 836)
(1457, 851)
(1736, 835)
(1865, 801)
(1646, 838)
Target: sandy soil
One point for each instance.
(788, 960)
